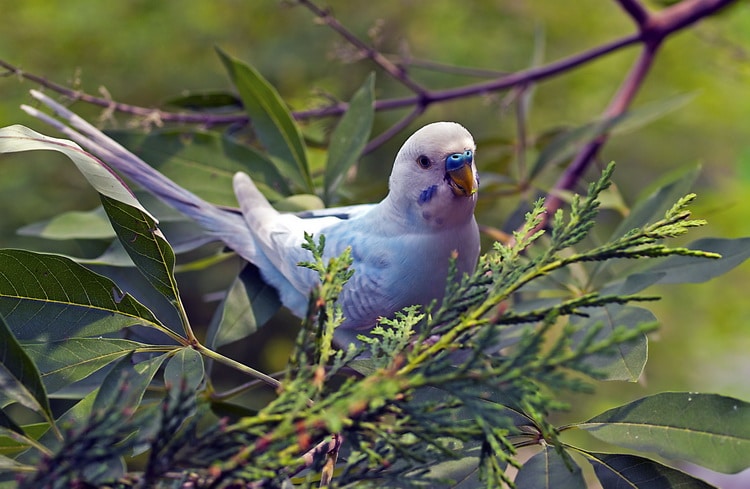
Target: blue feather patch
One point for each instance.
(427, 194)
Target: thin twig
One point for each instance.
(636, 10)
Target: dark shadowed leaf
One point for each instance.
(626, 360)
(249, 303)
(146, 246)
(205, 162)
(548, 470)
(350, 137)
(271, 121)
(50, 297)
(620, 471)
(207, 101)
(706, 429)
(126, 382)
(20, 380)
(63, 362)
(185, 366)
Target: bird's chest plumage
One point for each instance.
(398, 268)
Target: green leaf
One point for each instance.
(649, 112)
(186, 365)
(105, 181)
(207, 101)
(249, 304)
(72, 225)
(566, 144)
(50, 297)
(547, 469)
(690, 269)
(146, 246)
(272, 122)
(299, 203)
(627, 360)
(125, 375)
(18, 439)
(616, 470)
(205, 162)
(653, 207)
(20, 380)
(66, 361)
(350, 137)
(705, 429)
(8, 424)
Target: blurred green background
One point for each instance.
(145, 53)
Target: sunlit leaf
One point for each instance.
(66, 361)
(299, 203)
(50, 297)
(185, 366)
(72, 225)
(350, 137)
(615, 470)
(627, 360)
(204, 162)
(272, 121)
(706, 429)
(249, 303)
(548, 470)
(20, 380)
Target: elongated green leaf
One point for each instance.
(205, 162)
(350, 137)
(134, 378)
(686, 269)
(63, 362)
(72, 225)
(272, 122)
(627, 360)
(146, 246)
(653, 207)
(105, 181)
(50, 297)
(548, 470)
(8, 424)
(705, 429)
(249, 303)
(15, 440)
(567, 143)
(616, 470)
(645, 114)
(20, 380)
(185, 366)
(207, 101)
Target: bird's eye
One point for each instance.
(424, 161)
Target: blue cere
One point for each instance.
(457, 160)
(427, 194)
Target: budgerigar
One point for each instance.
(401, 247)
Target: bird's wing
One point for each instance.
(278, 239)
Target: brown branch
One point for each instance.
(636, 10)
(325, 17)
(655, 29)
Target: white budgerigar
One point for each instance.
(401, 247)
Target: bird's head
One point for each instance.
(434, 176)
